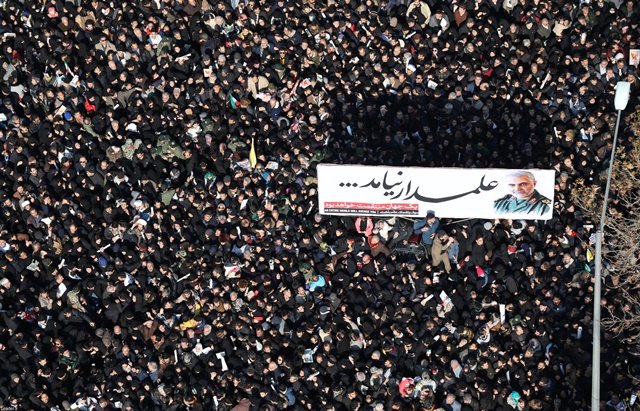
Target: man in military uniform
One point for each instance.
(524, 198)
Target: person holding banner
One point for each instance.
(427, 228)
(524, 198)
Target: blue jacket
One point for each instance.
(291, 397)
(427, 236)
(319, 283)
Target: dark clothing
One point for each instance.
(536, 205)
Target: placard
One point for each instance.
(448, 192)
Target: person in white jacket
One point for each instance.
(420, 7)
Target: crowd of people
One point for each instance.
(149, 260)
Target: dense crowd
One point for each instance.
(149, 262)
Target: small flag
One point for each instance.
(233, 102)
(252, 155)
(90, 108)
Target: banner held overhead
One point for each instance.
(449, 192)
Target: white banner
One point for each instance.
(449, 192)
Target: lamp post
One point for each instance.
(623, 89)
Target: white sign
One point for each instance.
(634, 57)
(448, 192)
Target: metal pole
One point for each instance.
(597, 289)
(595, 367)
(608, 186)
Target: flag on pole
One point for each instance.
(252, 155)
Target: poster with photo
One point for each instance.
(449, 192)
(634, 57)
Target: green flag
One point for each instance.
(232, 101)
